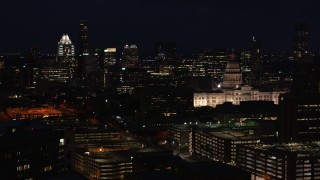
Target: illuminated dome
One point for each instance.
(233, 65)
(232, 78)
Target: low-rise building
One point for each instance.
(102, 165)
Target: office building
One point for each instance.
(66, 52)
(130, 58)
(109, 57)
(65, 47)
(84, 38)
(103, 165)
(180, 134)
(300, 41)
(280, 161)
(36, 154)
(299, 117)
(62, 69)
(88, 60)
(219, 145)
(84, 136)
(255, 56)
(306, 78)
(166, 51)
(156, 101)
(213, 63)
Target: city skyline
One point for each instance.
(193, 25)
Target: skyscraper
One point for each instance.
(300, 41)
(130, 58)
(255, 58)
(253, 69)
(66, 51)
(166, 50)
(61, 70)
(84, 39)
(65, 47)
(214, 63)
(299, 117)
(109, 57)
(87, 59)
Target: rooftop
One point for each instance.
(233, 135)
(301, 149)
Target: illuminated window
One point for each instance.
(27, 166)
(47, 168)
(20, 168)
(61, 142)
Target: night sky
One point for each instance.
(193, 24)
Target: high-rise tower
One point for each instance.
(109, 57)
(255, 58)
(66, 51)
(62, 70)
(300, 41)
(166, 51)
(84, 39)
(65, 46)
(130, 58)
(87, 60)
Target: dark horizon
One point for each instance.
(193, 25)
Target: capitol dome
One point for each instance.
(232, 77)
(233, 65)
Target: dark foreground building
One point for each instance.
(194, 171)
(299, 118)
(32, 155)
(156, 101)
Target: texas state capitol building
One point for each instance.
(232, 91)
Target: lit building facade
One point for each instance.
(56, 73)
(245, 93)
(281, 161)
(221, 146)
(65, 46)
(130, 58)
(213, 63)
(66, 51)
(109, 57)
(232, 77)
(103, 165)
(83, 136)
(62, 69)
(180, 134)
(232, 91)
